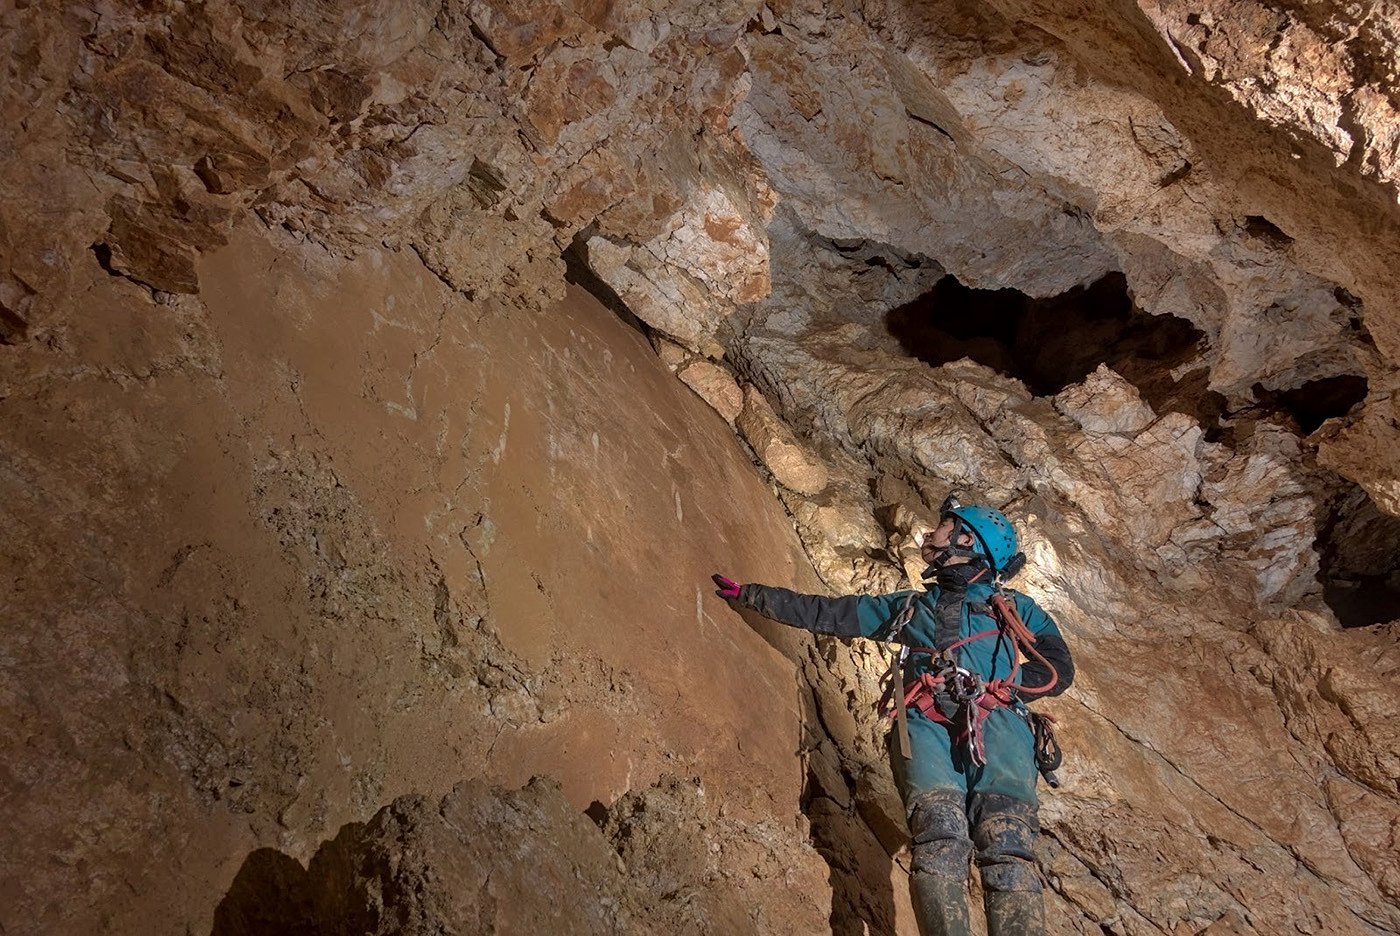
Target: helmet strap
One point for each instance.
(960, 526)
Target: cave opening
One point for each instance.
(1359, 561)
(1316, 401)
(1051, 343)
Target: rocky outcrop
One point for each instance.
(1010, 146)
(1088, 473)
(778, 449)
(423, 867)
(419, 867)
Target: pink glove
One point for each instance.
(727, 588)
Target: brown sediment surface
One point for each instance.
(343, 536)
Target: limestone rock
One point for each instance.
(839, 534)
(1153, 464)
(716, 386)
(708, 257)
(399, 631)
(671, 354)
(1264, 508)
(882, 809)
(1105, 404)
(1365, 451)
(523, 860)
(870, 400)
(1329, 690)
(703, 867)
(779, 450)
(1292, 72)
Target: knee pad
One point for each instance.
(1004, 831)
(939, 832)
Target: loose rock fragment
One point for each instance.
(795, 467)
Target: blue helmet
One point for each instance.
(993, 535)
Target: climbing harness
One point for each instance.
(960, 698)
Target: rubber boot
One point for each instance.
(941, 852)
(940, 905)
(1015, 913)
(1004, 830)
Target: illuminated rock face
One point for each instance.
(322, 487)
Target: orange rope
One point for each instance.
(1006, 613)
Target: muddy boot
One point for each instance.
(941, 850)
(1015, 913)
(1004, 830)
(940, 904)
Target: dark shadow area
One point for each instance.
(273, 895)
(1261, 228)
(1359, 552)
(103, 253)
(1051, 343)
(1316, 401)
(13, 328)
(597, 811)
(578, 273)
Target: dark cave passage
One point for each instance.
(1359, 551)
(1316, 401)
(1051, 343)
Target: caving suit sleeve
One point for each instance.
(1050, 643)
(847, 616)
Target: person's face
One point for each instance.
(938, 539)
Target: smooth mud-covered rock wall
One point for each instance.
(342, 536)
(381, 382)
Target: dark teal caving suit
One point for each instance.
(953, 805)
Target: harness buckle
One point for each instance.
(963, 685)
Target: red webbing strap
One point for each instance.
(922, 692)
(922, 695)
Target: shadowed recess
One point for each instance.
(13, 328)
(273, 895)
(579, 273)
(1051, 343)
(1316, 401)
(1359, 552)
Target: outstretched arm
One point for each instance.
(848, 616)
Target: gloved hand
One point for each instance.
(726, 588)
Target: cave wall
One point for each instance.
(329, 534)
(304, 456)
